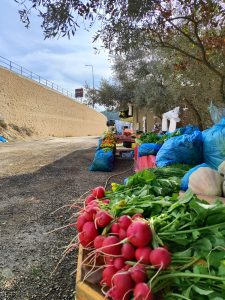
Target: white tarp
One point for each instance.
(171, 117)
(120, 126)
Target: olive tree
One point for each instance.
(126, 24)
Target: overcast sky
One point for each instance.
(61, 61)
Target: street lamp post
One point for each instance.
(92, 70)
(93, 81)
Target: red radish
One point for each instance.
(98, 241)
(122, 282)
(89, 231)
(90, 213)
(103, 218)
(160, 258)
(116, 294)
(81, 220)
(93, 203)
(136, 216)
(142, 292)
(142, 255)
(98, 192)
(115, 228)
(139, 234)
(138, 273)
(126, 268)
(122, 234)
(119, 263)
(84, 242)
(111, 245)
(127, 251)
(109, 260)
(124, 222)
(106, 201)
(107, 275)
(89, 199)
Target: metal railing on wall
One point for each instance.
(10, 65)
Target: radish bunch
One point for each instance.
(92, 219)
(122, 279)
(125, 239)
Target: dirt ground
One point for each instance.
(36, 178)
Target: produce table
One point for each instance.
(154, 243)
(124, 138)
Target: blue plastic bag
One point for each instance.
(186, 149)
(99, 144)
(103, 161)
(148, 149)
(2, 139)
(185, 179)
(214, 144)
(216, 113)
(189, 129)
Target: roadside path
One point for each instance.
(37, 177)
(28, 156)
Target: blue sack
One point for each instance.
(185, 180)
(189, 129)
(99, 144)
(184, 149)
(103, 161)
(148, 149)
(2, 139)
(214, 144)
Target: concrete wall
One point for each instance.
(27, 104)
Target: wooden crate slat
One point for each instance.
(83, 290)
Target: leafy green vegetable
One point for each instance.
(192, 229)
(177, 170)
(148, 137)
(151, 137)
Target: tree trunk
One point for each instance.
(222, 88)
(198, 116)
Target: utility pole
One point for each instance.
(93, 81)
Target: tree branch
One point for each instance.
(182, 32)
(204, 57)
(171, 46)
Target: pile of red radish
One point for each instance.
(124, 239)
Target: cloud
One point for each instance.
(59, 60)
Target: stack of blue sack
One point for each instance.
(185, 149)
(103, 159)
(146, 149)
(214, 144)
(213, 150)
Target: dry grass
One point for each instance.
(3, 124)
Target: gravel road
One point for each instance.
(36, 178)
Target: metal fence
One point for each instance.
(10, 65)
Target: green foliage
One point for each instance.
(111, 95)
(171, 52)
(148, 137)
(151, 137)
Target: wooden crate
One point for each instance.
(85, 290)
